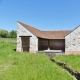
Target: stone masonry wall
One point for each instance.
(22, 31)
(72, 42)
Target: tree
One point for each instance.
(3, 33)
(13, 34)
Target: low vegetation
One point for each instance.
(27, 66)
(7, 40)
(72, 61)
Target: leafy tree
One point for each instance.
(3, 33)
(13, 34)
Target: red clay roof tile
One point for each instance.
(46, 34)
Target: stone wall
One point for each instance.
(33, 43)
(53, 44)
(72, 42)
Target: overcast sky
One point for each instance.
(41, 14)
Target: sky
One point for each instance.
(41, 14)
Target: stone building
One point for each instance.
(32, 40)
(72, 42)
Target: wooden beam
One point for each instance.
(25, 36)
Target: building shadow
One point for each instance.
(14, 49)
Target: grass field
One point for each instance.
(8, 40)
(26, 66)
(73, 61)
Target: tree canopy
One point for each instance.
(6, 34)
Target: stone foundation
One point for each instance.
(52, 53)
(72, 52)
(33, 51)
(18, 49)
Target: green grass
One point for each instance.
(8, 40)
(27, 66)
(73, 61)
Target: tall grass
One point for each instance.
(73, 61)
(8, 40)
(27, 66)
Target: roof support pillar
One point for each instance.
(48, 44)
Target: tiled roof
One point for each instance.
(57, 34)
(46, 34)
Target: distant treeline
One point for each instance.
(6, 34)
